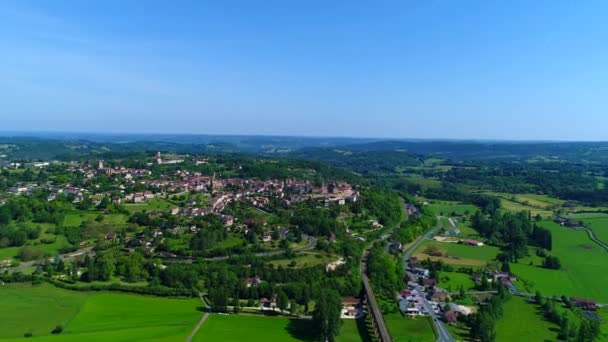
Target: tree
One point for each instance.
(326, 315)
(538, 298)
(282, 300)
(219, 299)
(60, 266)
(552, 262)
(293, 307)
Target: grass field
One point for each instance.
(458, 254)
(404, 329)
(522, 322)
(75, 218)
(156, 204)
(452, 281)
(598, 223)
(93, 316)
(50, 249)
(584, 271)
(447, 208)
(306, 259)
(270, 329)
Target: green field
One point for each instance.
(155, 204)
(76, 218)
(522, 322)
(598, 223)
(259, 328)
(584, 268)
(458, 254)
(404, 329)
(305, 259)
(448, 207)
(93, 316)
(453, 281)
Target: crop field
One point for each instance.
(458, 254)
(270, 329)
(584, 267)
(512, 206)
(404, 329)
(522, 322)
(92, 316)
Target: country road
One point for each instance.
(64, 257)
(442, 331)
(312, 243)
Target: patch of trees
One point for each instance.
(385, 205)
(34, 208)
(316, 221)
(514, 231)
(587, 331)
(326, 315)
(552, 262)
(483, 323)
(414, 226)
(132, 268)
(384, 271)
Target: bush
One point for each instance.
(58, 330)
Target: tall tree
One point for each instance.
(326, 315)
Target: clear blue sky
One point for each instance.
(417, 69)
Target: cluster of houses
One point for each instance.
(422, 294)
(127, 173)
(568, 223)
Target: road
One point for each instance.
(442, 331)
(312, 243)
(594, 238)
(65, 257)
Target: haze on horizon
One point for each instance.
(518, 70)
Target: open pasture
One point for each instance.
(584, 267)
(94, 316)
(270, 329)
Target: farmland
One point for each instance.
(258, 328)
(458, 254)
(404, 329)
(453, 281)
(522, 322)
(93, 316)
(597, 222)
(445, 208)
(584, 268)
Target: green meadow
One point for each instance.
(404, 329)
(584, 267)
(453, 281)
(270, 329)
(458, 254)
(446, 208)
(598, 223)
(522, 321)
(96, 316)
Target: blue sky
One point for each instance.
(406, 69)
